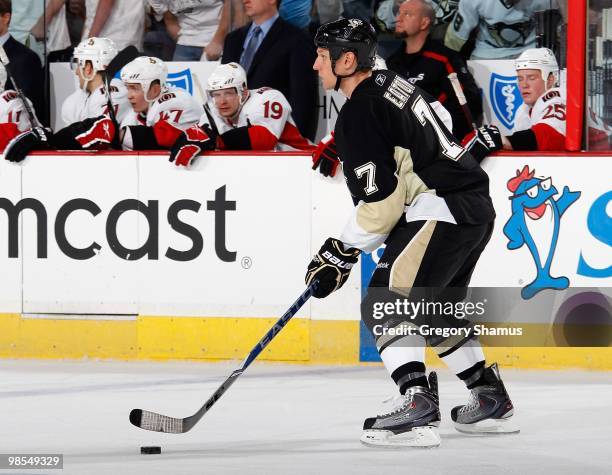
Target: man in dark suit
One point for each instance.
(278, 55)
(24, 64)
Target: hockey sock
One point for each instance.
(410, 375)
(406, 365)
(467, 362)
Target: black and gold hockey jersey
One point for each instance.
(400, 159)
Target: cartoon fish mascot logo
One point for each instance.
(535, 221)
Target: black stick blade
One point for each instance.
(124, 57)
(156, 422)
(136, 417)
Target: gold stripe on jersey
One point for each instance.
(380, 217)
(405, 167)
(405, 268)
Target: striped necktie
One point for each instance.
(251, 48)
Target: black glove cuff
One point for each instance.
(143, 138)
(524, 140)
(237, 139)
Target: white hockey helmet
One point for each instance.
(3, 77)
(226, 76)
(542, 59)
(100, 51)
(144, 70)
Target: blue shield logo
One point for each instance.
(182, 79)
(505, 98)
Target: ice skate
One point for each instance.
(413, 422)
(489, 409)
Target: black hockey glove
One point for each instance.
(18, 149)
(483, 141)
(190, 144)
(325, 157)
(331, 267)
(94, 133)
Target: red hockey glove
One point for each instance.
(190, 144)
(325, 157)
(93, 133)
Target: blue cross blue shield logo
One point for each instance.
(505, 98)
(182, 79)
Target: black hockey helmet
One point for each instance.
(346, 35)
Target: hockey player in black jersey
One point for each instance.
(419, 192)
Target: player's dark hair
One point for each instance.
(6, 7)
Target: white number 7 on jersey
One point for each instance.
(424, 113)
(369, 170)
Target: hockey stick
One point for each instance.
(454, 80)
(211, 120)
(159, 423)
(32, 118)
(124, 56)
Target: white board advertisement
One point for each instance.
(121, 233)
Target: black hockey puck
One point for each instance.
(151, 449)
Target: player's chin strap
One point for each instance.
(339, 77)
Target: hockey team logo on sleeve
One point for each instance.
(535, 223)
(505, 98)
(182, 79)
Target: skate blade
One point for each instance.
(489, 426)
(424, 437)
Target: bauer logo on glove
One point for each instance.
(331, 267)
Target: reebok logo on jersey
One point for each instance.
(382, 265)
(380, 79)
(337, 262)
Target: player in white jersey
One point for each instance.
(87, 109)
(13, 116)
(237, 118)
(505, 27)
(90, 59)
(539, 123)
(159, 113)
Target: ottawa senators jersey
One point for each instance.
(398, 157)
(546, 119)
(267, 114)
(174, 105)
(174, 111)
(12, 110)
(81, 105)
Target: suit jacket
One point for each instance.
(28, 73)
(284, 62)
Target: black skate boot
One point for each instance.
(489, 409)
(413, 422)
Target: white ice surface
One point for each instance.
(288, 419)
